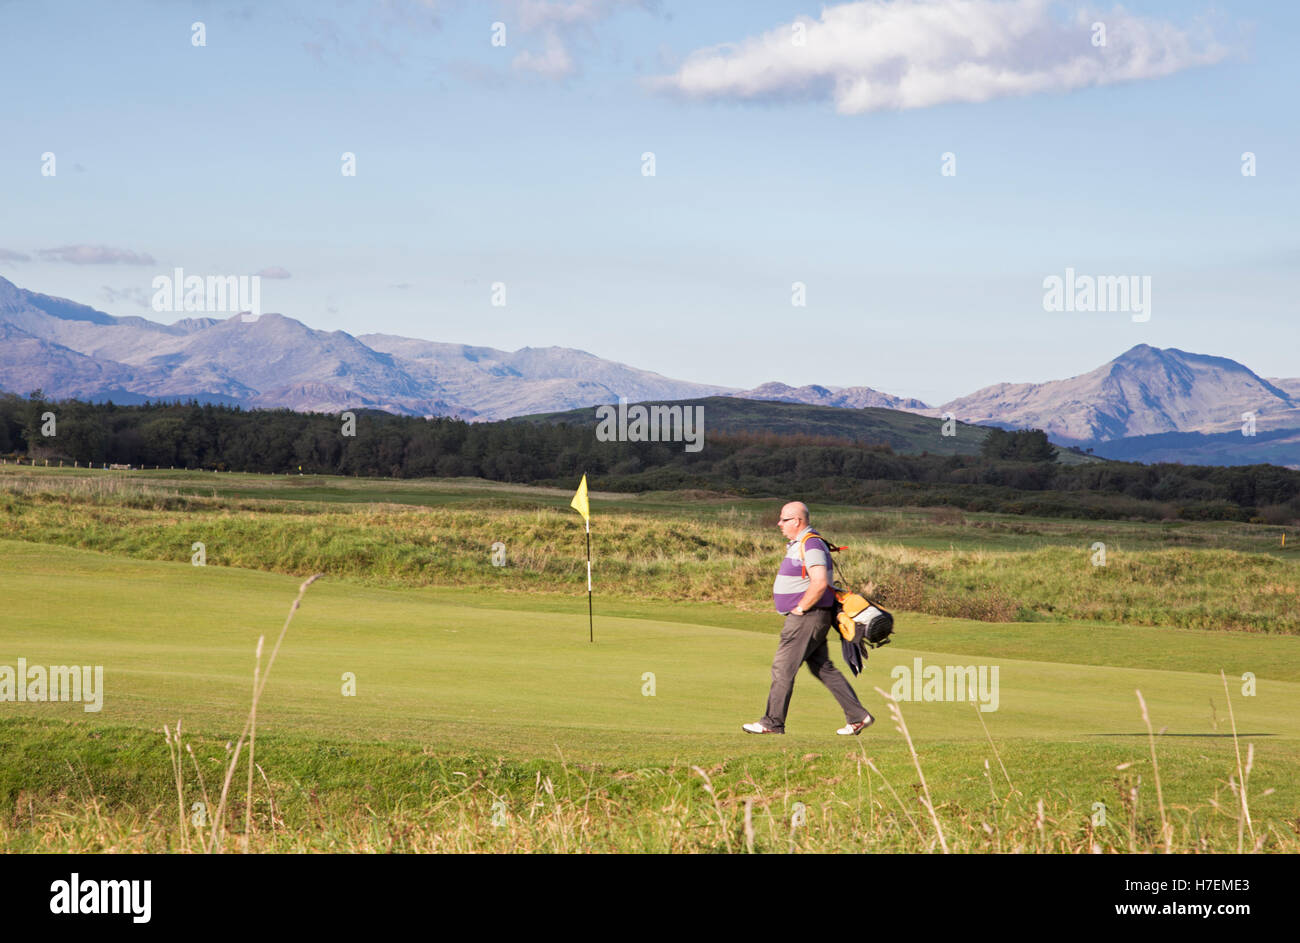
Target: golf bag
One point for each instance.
(861, 621)
(862, 624)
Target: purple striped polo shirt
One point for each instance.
(791, 584)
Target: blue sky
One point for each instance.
(522, 164)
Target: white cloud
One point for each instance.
(896, 54)
(275, 271)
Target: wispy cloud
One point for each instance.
(275, 271)
(554, 62)
(561, 25)
(897, 54)
(9, 255)
(532, 14)
(137, 296)
(380, 29)
(547, 34)
(95, 255)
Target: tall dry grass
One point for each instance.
(215, 840)
(675, 809)
(667, 554)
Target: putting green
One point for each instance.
(178, 641)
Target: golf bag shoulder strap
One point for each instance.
(804, 540)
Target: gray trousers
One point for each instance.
(804, 639)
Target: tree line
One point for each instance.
(1015, 470)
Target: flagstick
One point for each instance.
(591, 631)
(581, 505)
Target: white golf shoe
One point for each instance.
(852, 730)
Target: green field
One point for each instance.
(484, 719)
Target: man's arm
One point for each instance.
(816, 588)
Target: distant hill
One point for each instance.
(852, 397)
(1274, 447)
(1288, 385)
(1143, 392)
(904, 432)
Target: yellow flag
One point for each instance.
(579, 502)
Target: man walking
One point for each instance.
(804, 594)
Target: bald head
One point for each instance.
(794, 518)
(796, 509)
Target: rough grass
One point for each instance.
(110, 790)
(988, 569)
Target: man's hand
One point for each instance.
(816, 589)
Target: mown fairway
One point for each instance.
(466, 698)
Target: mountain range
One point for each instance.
(71, 350)
(1148, 404)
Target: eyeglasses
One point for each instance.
(782, 520)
